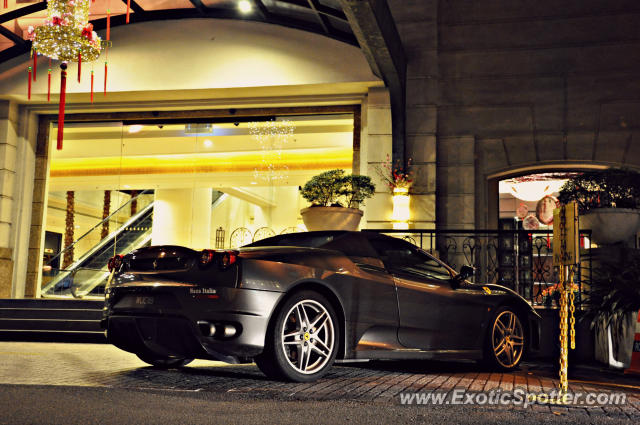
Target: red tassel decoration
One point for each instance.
(29, 85)
(35, 64)
(63, 97)
(49, 85)
(79, 65)
(108, 25)
(128, 6)
(105, 78)
(6, 4)
(92, 86)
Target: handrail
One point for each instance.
(111, 236)
(144, 192)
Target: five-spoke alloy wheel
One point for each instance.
(506, 341)
(303, 339)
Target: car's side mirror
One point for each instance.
(465, 273)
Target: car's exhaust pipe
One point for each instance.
(217, 330)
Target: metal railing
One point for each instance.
(97, 227)
(519, 259)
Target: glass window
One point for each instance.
(401, 257)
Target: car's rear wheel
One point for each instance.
(162, 362)
(302, 341)
(506, 341)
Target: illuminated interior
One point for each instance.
(223, 161)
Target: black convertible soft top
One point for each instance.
(353, 244)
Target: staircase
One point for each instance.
(51, 320)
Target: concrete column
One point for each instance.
(8, 147)
(376, 145)
(182, 217)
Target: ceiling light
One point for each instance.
(208, 143)
(135, 128)
(244, 6)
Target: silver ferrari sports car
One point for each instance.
(295, 303)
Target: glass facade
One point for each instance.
(119, 186)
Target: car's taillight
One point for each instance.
(115, 262)
(224, 259)
(206, 257)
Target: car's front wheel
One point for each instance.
(162, 362)
(506, 341)
(302, 341)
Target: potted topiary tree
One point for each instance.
(335, 198)
(609, 203)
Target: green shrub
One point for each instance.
(611, 188)
(335, 188)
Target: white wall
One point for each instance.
(234, 212)
(196, 54)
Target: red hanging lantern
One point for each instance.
(63, 98)
(29, 84)
(49, 85)
(35, 64)
(108, 25)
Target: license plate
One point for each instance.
(144, 300)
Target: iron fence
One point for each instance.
(519, 259)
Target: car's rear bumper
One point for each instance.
(173, 321)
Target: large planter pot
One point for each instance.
(611, 225)
(331, 218)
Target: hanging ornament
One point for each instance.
(522, 211)
(105, 78)
(128, 8)
(108, 25)
(49, 85)
(92, 86)
(29, 84)
(35, 64)
(63, 98)
(530, 222)
(66, 36)
(545, 207)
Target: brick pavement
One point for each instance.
(379, 382)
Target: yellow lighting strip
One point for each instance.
(315, 159)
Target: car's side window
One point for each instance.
(401, 257)
(356, 247)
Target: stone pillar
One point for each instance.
(8, 148)
(376, 145)
(182, 217)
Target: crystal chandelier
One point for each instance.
(272, 137)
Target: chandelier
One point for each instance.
(272, 137)
(67, 36)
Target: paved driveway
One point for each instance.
(376, 383)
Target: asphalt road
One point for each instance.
(51, 383)
(26, 404)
